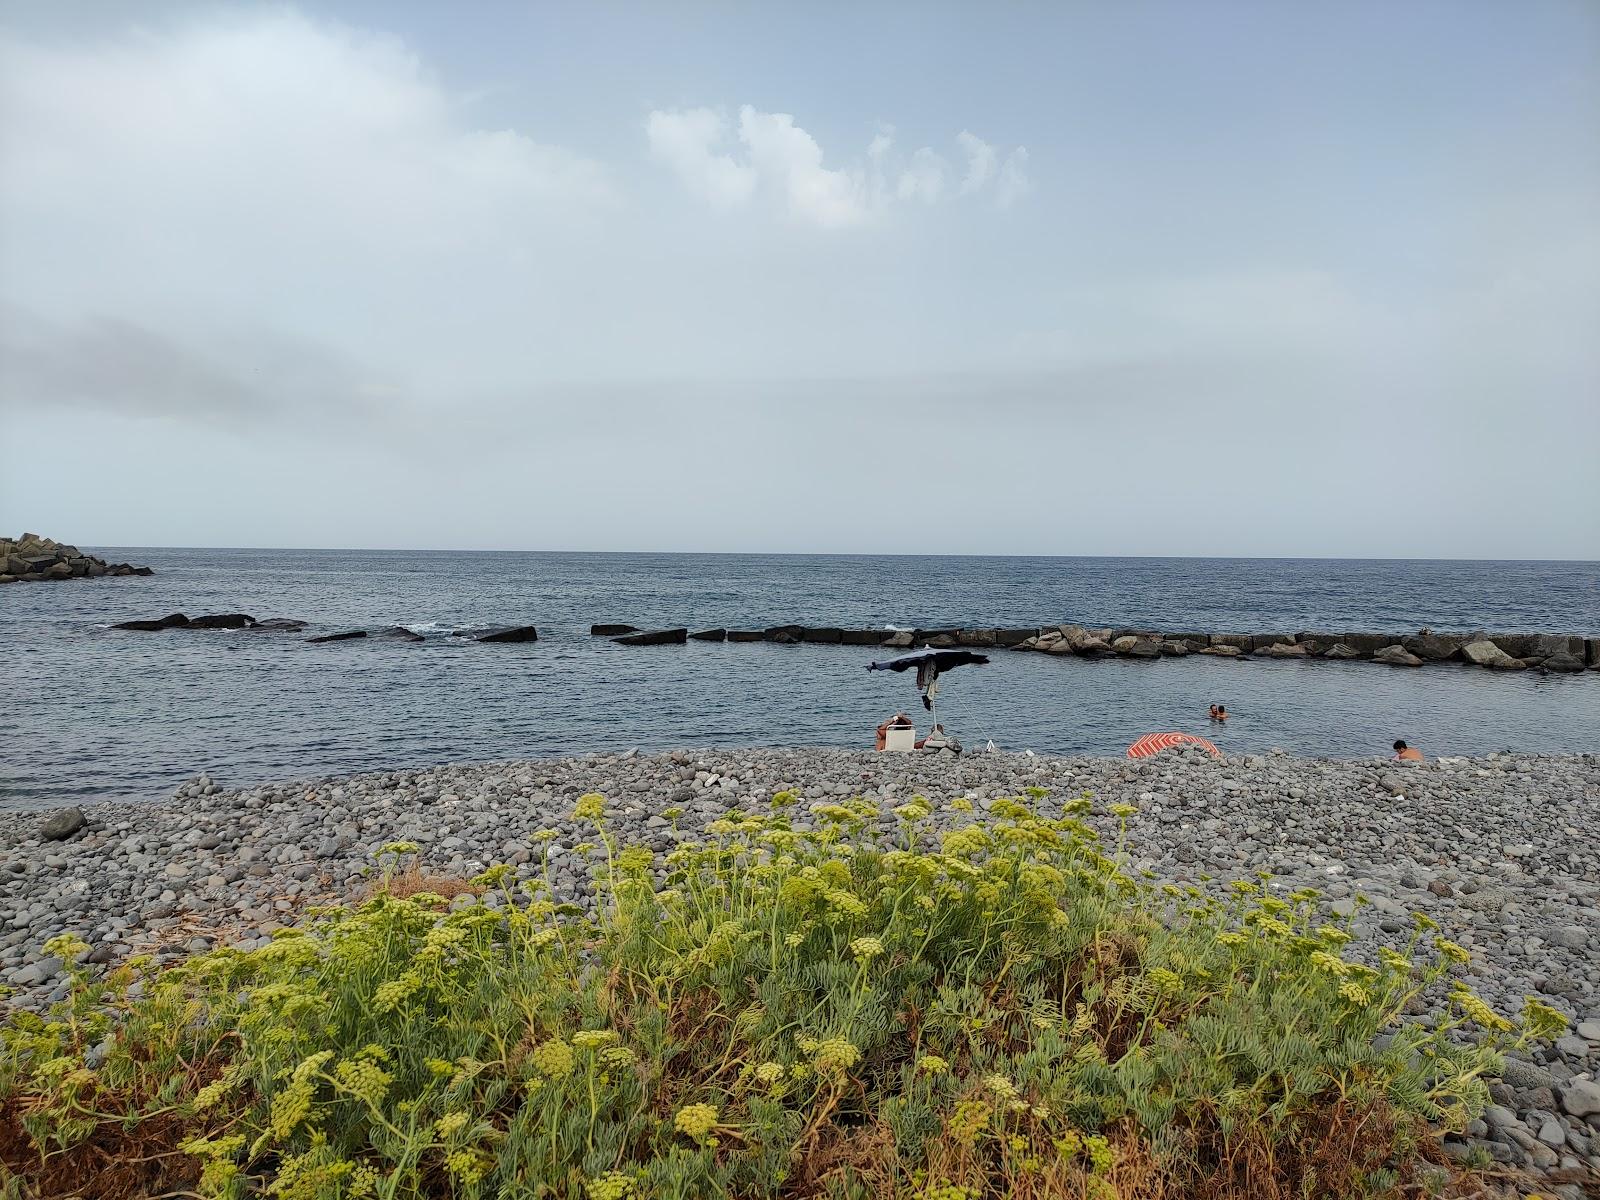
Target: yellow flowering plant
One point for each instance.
(1009, 1009)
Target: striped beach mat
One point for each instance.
(1155, 743)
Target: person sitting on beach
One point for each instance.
(1407, 753)
(899, 719)
(1219, 712)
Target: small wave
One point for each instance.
(426, 627)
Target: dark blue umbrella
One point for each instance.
(929, 663)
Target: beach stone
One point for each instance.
(59, 826)
(1581, 1097)
(1589, 1030)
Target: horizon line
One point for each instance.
(849, 554)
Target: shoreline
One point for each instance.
(1497, 850)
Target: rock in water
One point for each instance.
(658, 637)
(1397, 656)
(170, 621)
(612, 630)
(339, 637)
(223, 621)
(522, 633)
(1485, 653)
(401, 634)
(710, 635)
(62, 825)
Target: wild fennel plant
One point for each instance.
(995, 1011)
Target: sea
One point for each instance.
(94, 714)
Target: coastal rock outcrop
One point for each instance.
(348, 635)
(34, 559)
(170, 621)
(519, 633)
(657, 637)
(611, 630)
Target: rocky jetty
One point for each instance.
(1561, 652)
(34, 559)
(1498, 850)
(213, 621)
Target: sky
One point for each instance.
(1177, 278)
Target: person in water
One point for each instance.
(1219, 712)
(1407, 753)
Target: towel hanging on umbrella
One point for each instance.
(929, 663)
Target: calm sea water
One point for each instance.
(93, 713)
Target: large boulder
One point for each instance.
(1434, 647)
(1397, 656)
(1174, 647)
(1265, 641)
(170, 621)
(828, 636)
(1241, 642)
(612, 630)
(1339, 650)
(656, 637)
(519, 633)
(59, 826)
(340, 637)
(745, 635)
(1516, 645)
(861, 637)
(1013, 637)
(1367, 644)
(1286, 650)
(710, 635)
(223, 621)
(975, 637)
(940, 641)
(1090, 646)
(401, 634)
(785, 634)
(1485, 653)
(1562, 662)
(1547, 644)
(900, 639)
(1221, 650)
(1592, 645)
(1131, 645)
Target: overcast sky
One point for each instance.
(1134, 278)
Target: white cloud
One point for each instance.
(980, 161)
(1013, 182)
(786, 154)
(923, 178)
(684, 140)
(782, 160)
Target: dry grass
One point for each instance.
(414, 881)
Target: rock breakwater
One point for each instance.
(1499, 851)
(1560, 652)
(34, 559)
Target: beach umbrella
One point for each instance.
(1154, 743)
(928, 664)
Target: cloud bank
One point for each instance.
(766, 155)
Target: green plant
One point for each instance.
(996, 1011)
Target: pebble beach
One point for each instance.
(1501, 851)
